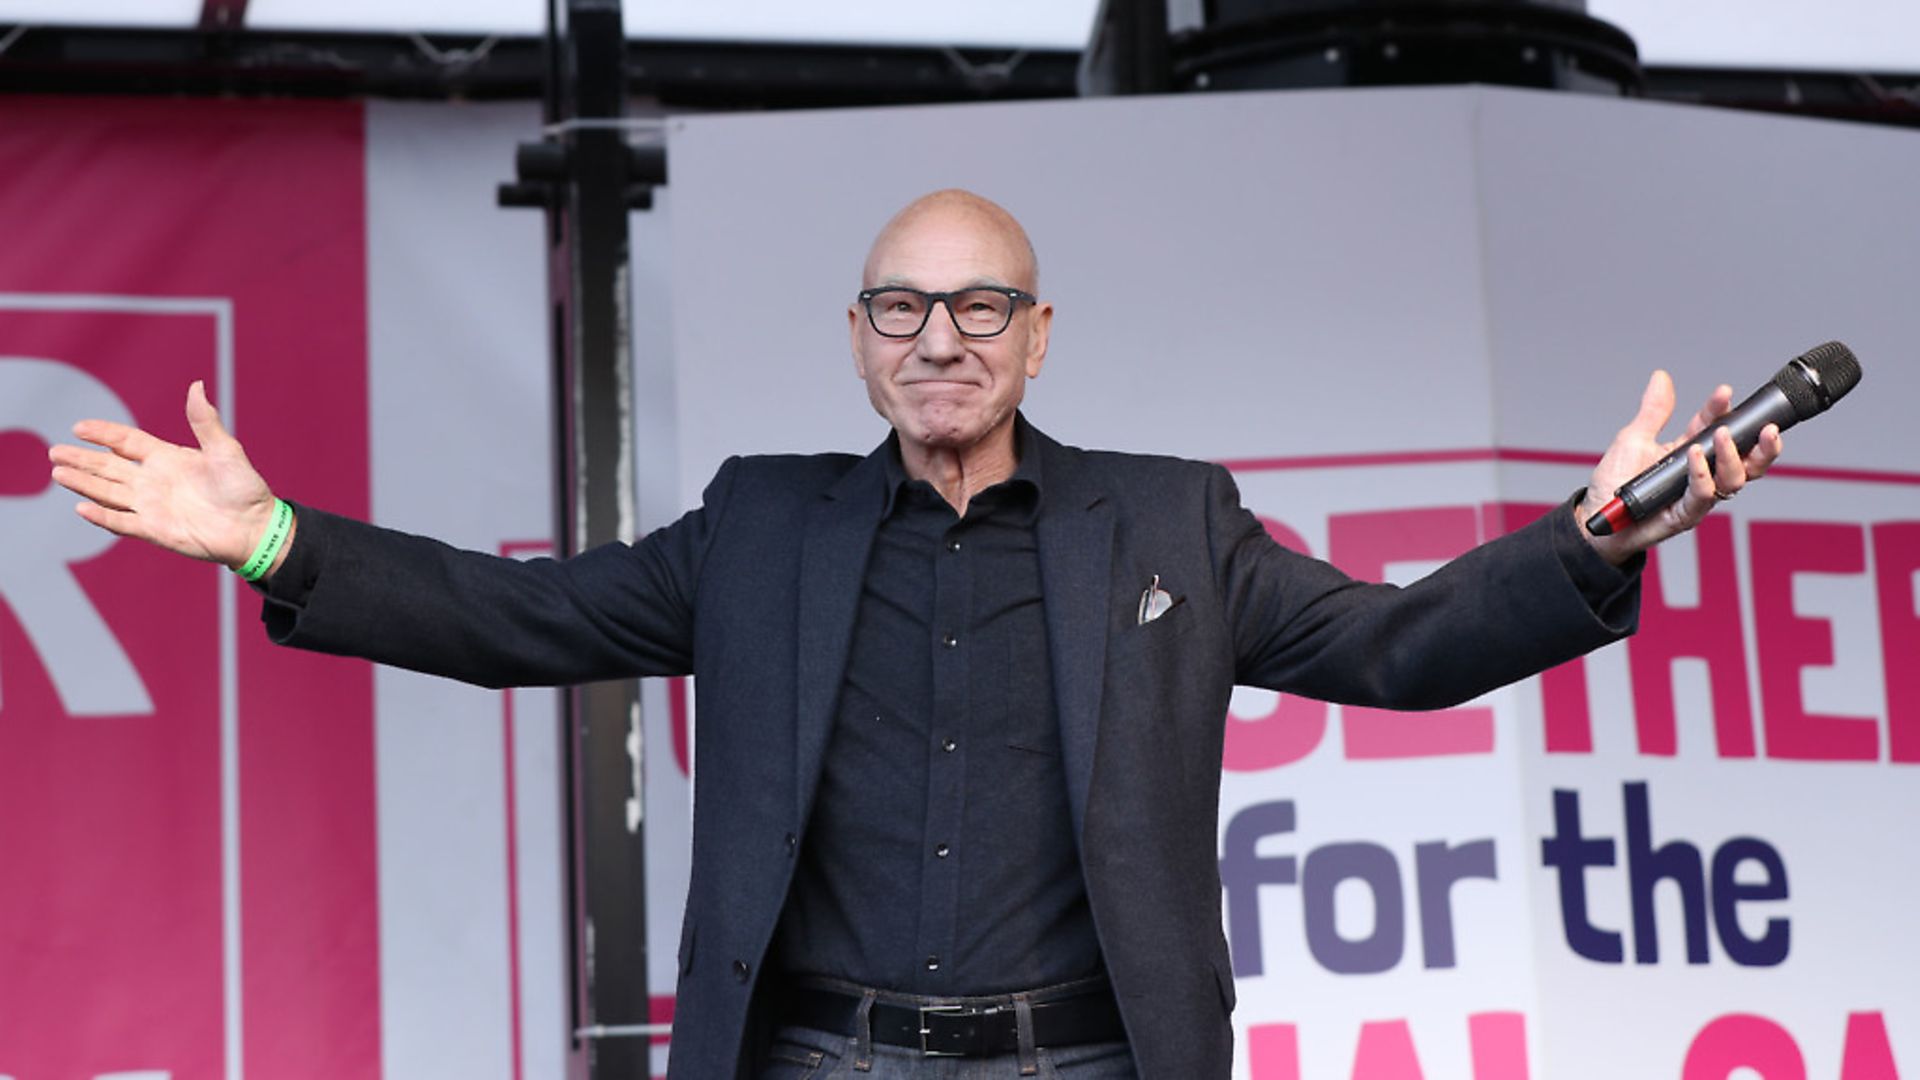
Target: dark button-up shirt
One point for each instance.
(940, 856)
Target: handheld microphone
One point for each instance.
(1807, 386)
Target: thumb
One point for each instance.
(204, 418)
(1656, 406)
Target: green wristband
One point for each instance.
(278, 530)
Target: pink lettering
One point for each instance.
(1386, 1053)
(1868, 1054)
(1273, 1051)
(1385, 1050)
(1789, 642)
(1896, 558)
(1364, 545)
(1293, 727)
(1566, 712)
(1499, 1041)
(1741, 1041)
(1283, 735)
(1710, 631)
(679, 722)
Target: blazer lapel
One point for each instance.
(1075, 538)
(833, 561)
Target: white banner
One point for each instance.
(1409, 320)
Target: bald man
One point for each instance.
(961, 700)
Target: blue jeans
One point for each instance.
(798, 1053)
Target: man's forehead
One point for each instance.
(956, 237)
(933, 282)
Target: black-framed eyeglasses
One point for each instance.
(896, 311)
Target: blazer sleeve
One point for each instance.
(1509, 608)
(616, 611)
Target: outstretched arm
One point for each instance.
(1638, 445)
(207, 502)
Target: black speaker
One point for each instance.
(1273, 44)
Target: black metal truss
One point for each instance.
(694, 75)
(723, 75)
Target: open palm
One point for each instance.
(207, 502)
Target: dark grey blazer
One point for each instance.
(755, 593)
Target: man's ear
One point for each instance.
(853, 340)
(1039, 330)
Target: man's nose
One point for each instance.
(940, 341)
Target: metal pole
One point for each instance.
(587, 206)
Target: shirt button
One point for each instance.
(940, 852)
(948, 745)
(933, 963)
(792, 843)
(740, 970)
(949, 640)
(953, 545)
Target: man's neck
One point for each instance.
(960, 473)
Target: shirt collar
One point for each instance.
(1026, 472)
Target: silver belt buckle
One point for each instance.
(939, 1010)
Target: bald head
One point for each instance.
(938, 218)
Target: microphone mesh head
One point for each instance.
(1819, 377)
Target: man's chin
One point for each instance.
(948, 439)
(947, 432)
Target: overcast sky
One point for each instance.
(1874, 35)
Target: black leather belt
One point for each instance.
(980, 1028)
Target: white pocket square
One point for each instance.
(1156, 602)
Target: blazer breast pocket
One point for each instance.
(1150, 636)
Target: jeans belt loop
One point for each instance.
(1023, 1027)
(863, 1033)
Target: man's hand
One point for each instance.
(1638, 445)
(207, 503)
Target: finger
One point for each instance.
(1700, 488)
(204, 418)
(1656, 406)
(1729, 472)
(1765, 452)
(128, 442)
(118, 522)
(103, 491)
(97, 462)
(1718, 404)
